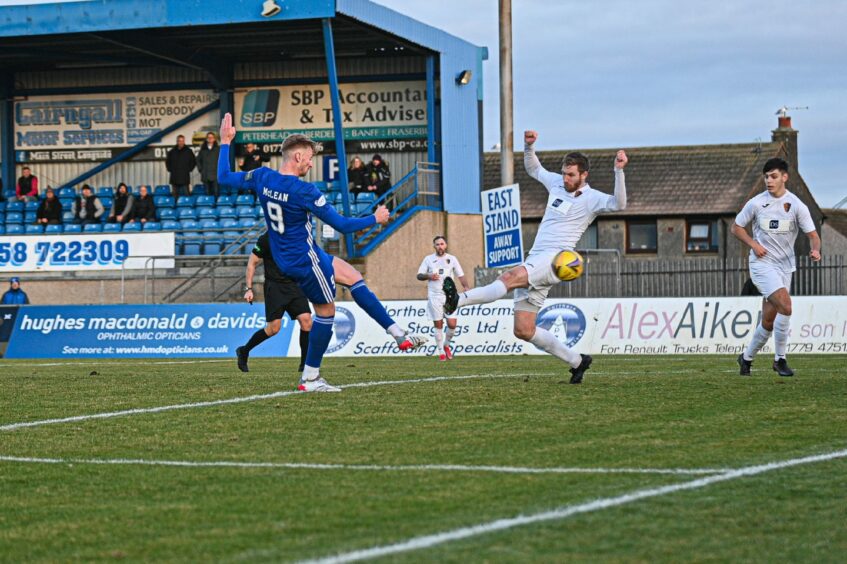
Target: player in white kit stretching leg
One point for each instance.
(435, 268)
(777, 216)
(571, 207)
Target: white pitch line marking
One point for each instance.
(259, 397)
(376, 467)
(426, 541)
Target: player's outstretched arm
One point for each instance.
(347, 224)
(620, 182)
(225, 175)
(532, 164)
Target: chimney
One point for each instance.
(787, 135)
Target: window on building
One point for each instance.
(589, 238)
(641, 236)
(701, 236)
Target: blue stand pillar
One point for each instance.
(329, 48)
(7, 132)
(430, 108)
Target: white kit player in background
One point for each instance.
(777, 216)
(434, 269)
(571, 207)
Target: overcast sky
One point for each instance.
(618, 73)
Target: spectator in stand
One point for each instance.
(180, 162)
(27, 189)
(87, 208)
(253, 158)
(378, 176)
(122, 206)
(207, 164)
(49, 210)
(14, 295)
(356, 176)
(144, 209)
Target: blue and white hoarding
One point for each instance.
(501, 223)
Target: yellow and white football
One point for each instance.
(568, 265)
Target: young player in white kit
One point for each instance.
(571, 207)
(777, 216)
(434, 269)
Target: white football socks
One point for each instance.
(760, 337)
(451, 332)
(483, 294)
(311, 373)
(439, 339)
(547, 342)
(780, 335)
(398, 333)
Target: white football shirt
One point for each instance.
(445, 265)
(776, 224)
(568, 214)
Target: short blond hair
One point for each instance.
(296, 141)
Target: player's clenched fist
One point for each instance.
(530, 136)
(382, 214)
(621, 160)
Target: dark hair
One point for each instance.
(577, 159)
(178, 137)
(25, 168)
(775, 164)
(376, 158)
(437, 237)
(85, 187)
(298, 140)
(124, 185)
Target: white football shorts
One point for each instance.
(769, 278)
(435, 308)
(541, 278)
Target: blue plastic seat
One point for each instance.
(228, 223)
(192, 245)
(207, 224)
(245, 211)
(205, 201)
(73, 228)
(207, 213)
(105, 192)
(258, 212)
(2, 229)
(188, 224)
(212, 243)
(162, 190)
(53, 229)
(112, 228)
(186, 201)
(226, 211)
(198, 190)
(67, 203)
(244, 200)
(93, 228)
(186, 213)
(133, 227)
(14, 206)
(66, 192)
(106, 201)
(14, 218)
(247, 223)
(32, 206)
(30, 217)
(67, 217)
(366, 197)
(14, 229)
(152, 226)
(170, 225)
(165, 213)
(34, 229)
(164, 201)
(229, 238)
(226, 201)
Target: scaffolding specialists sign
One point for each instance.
(111, 251)
(141, 331)
(501, 224)
(93, 127)
(370, 110)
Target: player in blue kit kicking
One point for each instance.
(288, 204)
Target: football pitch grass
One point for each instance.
(479, 459)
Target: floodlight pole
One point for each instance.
(340, 152)
(507, 127)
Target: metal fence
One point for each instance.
(608, 275)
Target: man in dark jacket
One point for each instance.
(87, 208)
(27, 188)
(377, 176)
(144, 209)
(207, 164)
(180, 162)
(14, 295)
(122, 206)
(253, 158)
(49, 210)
